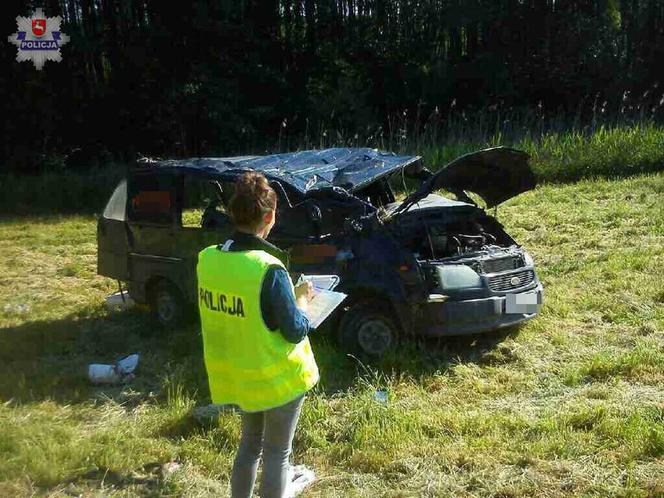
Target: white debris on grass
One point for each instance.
(127, 365)
(300, 478)
(115, 302)
(16, 309)
(122, 371)
(170, 468)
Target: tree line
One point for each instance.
(213, 77)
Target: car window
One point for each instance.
(204, 202)
(117, 204)
(152, 198)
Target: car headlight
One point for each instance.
(456, 277)
(528, 259)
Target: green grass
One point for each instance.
(611, 150)
(59, 191)
(571, 404)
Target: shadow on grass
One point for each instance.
(150, 479)
(48, 360)
(423, 356)
(418, 357)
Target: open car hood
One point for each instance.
(495, 174)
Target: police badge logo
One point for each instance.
(38, 39)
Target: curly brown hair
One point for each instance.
(253, 198)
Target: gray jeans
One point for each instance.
(272, 433)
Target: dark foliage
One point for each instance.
(221, 77)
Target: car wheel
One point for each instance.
(368, 332)
(167, 304)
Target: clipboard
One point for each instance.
(325, 300)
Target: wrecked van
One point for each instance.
(427, 264)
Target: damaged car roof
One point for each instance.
(309, 170)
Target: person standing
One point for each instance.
(256, 349)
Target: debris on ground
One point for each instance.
(300, 478)
(119, 301)
(209, 414)
(127, 365)
(122, 371)
(17, 309)
(170, 468)
(102, 374)
(381, 396)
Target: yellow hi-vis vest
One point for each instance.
(247, 364)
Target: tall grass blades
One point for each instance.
(563, 150)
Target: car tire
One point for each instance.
(367, 332)
(167, 304)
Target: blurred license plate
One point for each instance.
(526, 302)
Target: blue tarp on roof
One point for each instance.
(350, 168)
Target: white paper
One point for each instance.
(322, 282)
(322, 305)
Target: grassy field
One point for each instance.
(571, 404)
(559, 154)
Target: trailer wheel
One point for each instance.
(367, 331)
(167, 304)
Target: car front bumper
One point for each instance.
(476, 315)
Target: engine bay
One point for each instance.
(469, 236)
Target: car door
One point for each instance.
(152, 218)
(112, 236)
(199, 197)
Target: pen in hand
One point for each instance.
(304, 292)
